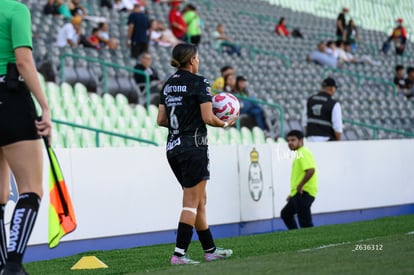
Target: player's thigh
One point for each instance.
(25, 159)
(4, 179)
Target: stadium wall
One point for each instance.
(126, 197)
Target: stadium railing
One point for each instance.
(360, 77)
(253, 51)
(104, 66)
(98, 132)
(375, 129)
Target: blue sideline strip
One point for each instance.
(69, 248)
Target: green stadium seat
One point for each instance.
(121, 101)
(153, 112)
(258, 135)
(67, 93)
(246, 136)
(222, 136)
(81, 94)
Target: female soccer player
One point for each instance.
(185, 108)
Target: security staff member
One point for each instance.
(20, 145)
(322, 116)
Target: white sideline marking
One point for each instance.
(410, 233)
(324, 246)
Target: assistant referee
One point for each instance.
(20, 145)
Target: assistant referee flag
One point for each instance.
(62, 218)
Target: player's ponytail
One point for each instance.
(182, 53)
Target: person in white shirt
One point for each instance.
(69, 34)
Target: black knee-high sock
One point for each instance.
(184, 234)
(206, 240)
(3, 243)
(21, 226)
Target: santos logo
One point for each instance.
(15, 230)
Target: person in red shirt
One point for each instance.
(399, 36)
(177, 23)
(281, 28)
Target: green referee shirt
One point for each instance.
(303, 161)
(16, 31)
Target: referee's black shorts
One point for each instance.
(190, 167)
(17, 115)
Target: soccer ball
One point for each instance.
(226, 106)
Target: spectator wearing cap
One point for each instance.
(322, 117)
(341, 24)
(399, 36)
(69, 34)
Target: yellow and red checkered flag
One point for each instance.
(62, 218)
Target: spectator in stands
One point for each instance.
(399, 36)
(342, 55)
(94, 38)
(77, 9)
(249, 107)
(138, 32)
(107, 3)
(63, 8)
(221, 40)
(230, 83)
(128, 5)
(176, 20)
(69, 34)
(409, 82)
(119, 6)
(155, 32)
(322, 117)
(365, 59)
(352, 34)
(218, 84)
(145, 61)
(51, 8)
(167, 39)
(341, 24)
(281, 28)
(193, 21)
(303, 184)
(399, 79)
(104, 38)
(409, 88)
(321, 57)
(331, 49)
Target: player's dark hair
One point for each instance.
(295, 133)
(182, 53)
(399, 67)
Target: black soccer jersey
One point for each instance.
(182, 95)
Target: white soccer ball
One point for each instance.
(226, 106)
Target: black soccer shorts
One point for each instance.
(17, 115)
(190, 167)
